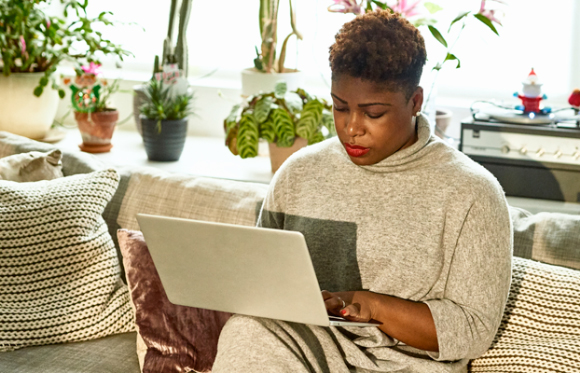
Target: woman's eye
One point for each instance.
(341, 109)
(374, 116)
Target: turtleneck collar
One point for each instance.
(401, 158)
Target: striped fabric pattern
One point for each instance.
(59, 272)
(540, 330)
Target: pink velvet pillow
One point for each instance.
(176, 338)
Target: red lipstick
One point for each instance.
(355, 150)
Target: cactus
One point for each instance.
(177, 53)
(269, 33)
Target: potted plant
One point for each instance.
(32, 45)
(423, 14)
(164, 117)
(268, 65)
(90, 100)
(287, 120)
(173, 54)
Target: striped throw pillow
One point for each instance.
(59, 272)
(540, 330)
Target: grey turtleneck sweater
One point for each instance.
(425, 224)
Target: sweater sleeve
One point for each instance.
(469, 315)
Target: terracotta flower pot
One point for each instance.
(279, 154)
(97, 130)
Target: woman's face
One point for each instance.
(372, 122)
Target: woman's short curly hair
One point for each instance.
(380, 47)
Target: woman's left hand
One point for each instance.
(352, 305)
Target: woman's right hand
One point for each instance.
(334, 302)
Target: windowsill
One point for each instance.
(202, 156)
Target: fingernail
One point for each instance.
(343, 312)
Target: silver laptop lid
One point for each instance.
(224, 267)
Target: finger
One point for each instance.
(326, 294)
(334, 304)
(353, 312)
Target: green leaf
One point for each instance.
(38, 91)
(328, 122)
(452, 57)
(316, 138)
(262, 108)
(380, 4)
(423, 22)
(43, 81)
(267, 131)
(458, 18)
(280, 89)
(284, 127)
(310, 119)
(61, 93)
(432, 7)
(248, 135)
(437, 35)
(233, 114)
(293, 102)
(486, 21)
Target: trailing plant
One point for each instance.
(266, 56)
(277, 117)
(162, 104)
(31, 41)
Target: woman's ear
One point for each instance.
(417, 100)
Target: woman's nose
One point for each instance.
(354, 127)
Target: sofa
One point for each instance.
(541, 326)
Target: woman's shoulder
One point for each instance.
(469, 176)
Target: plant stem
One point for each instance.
(426, 105)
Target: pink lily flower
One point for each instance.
(346, 6)
(490, 13)
(406, 9)
(93, 69)
(48, 23)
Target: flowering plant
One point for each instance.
(423, 13)
(31, 41)
(90, 93)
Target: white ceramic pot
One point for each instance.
(254, 81)
(442, 121)
(21, 112)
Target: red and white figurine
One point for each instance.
(531, 94)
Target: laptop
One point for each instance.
(245, 270)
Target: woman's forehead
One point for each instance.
(352, 88)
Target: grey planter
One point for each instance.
(167, 145)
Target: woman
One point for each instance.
(401, 228)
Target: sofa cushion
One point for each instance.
(540, 330)
(114, 353)
(59, 272)
(72, 162)
(156, 192)
(551, 238)
(31, 166)
(175, 338)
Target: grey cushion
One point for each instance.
(115, 354)
(551, 238)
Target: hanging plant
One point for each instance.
(278, 117)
